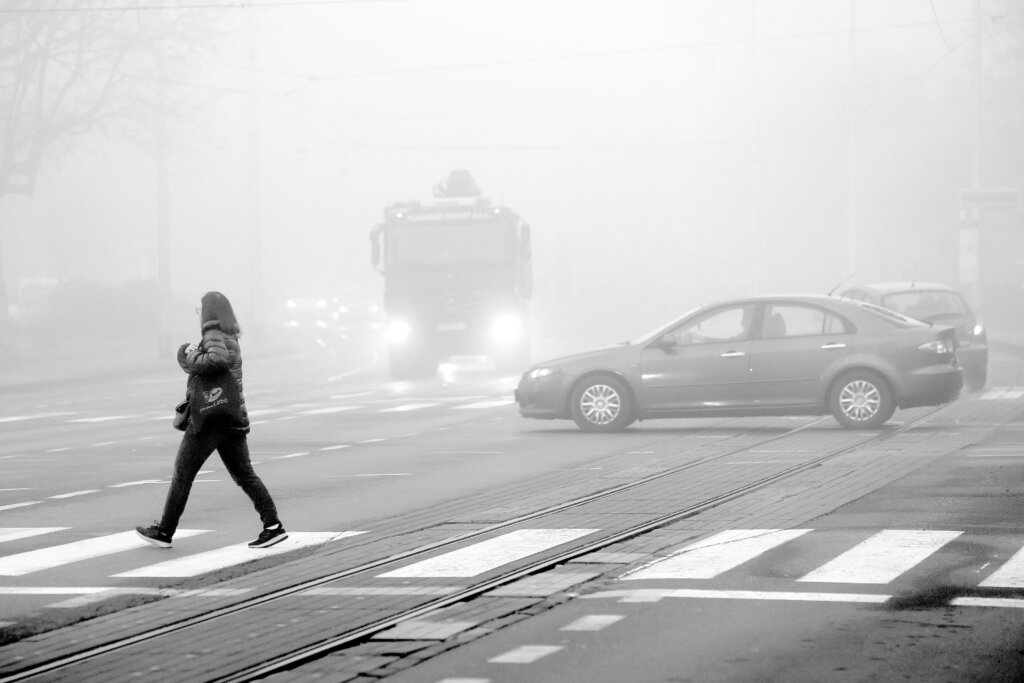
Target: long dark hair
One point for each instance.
(217, 308)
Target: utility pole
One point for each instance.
(851, 145)
(163, 221)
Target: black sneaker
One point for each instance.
(269, 537)
(155, 535)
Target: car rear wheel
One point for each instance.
(861, 400)
(975, 378)
(602, 404)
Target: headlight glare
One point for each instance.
(538, 373)
(507, 328)
(398, 332)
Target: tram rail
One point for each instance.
(544, 561)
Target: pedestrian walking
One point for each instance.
(217, 421)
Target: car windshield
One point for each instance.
(660, 329)
(924, 303)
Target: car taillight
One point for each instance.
(939, 346)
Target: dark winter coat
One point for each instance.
(217, 351)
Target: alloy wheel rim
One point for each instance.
(600, 404)
(860, 400)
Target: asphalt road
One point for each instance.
(341, 447)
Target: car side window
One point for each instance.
(724, 324)
(787, 320)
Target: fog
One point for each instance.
(665, 153)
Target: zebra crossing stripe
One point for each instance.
(490, 554)
(14, 533)
(228, 556)
(712, 556)
(881, 558)
(67, 553)
(1010, 575)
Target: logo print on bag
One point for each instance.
(212, 395)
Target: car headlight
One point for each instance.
(398, 332)
(538, 373)
(507, 328)
(978, 330)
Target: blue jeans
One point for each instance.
(234, 451)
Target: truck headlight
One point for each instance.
(507, 328)
(398, 332)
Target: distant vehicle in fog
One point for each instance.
(457, 275)
(784, 355)
(941, 304)
(308, 311)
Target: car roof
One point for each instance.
(905, 286)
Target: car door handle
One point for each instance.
(734, 354)
(834, 345)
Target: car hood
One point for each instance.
(609, 352)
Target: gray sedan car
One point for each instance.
(772, 355)
(940, 304)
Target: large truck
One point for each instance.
(457, 280)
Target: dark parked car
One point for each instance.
(935, 303)
(785, 355)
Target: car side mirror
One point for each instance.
(667, 341)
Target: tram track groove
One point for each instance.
(322, 648)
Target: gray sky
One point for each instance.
(665, 152)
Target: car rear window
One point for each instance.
(924, 303)
(892, 317)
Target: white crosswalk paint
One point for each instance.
(14, 533)
(212, 560)
(883, 557)
(1010, 575)
(490, 554)
(718, 554)
(12, 506)
(58, 555)
(1002, 393)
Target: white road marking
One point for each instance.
(409, 407)
(14, 533)
(59, 555)
(139, 590)
(712, 556)
(328, 411)
(19, 489)
(525, 654)
(490, 554)
(482, 405)
(376, 474)
(75, 493)
(52, 590)
(373, 440)
(988, 602)
(1010, 575)
(291, 455)
(34, 416)
(1001, 393)
(231, 555)
(104, 418)
(137, 483)
(592, 622)
(883, 557)
(20, 505)
(654, 595)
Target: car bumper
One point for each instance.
(543, 398)
(931, 386)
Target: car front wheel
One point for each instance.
(861, 400)
(602, 404)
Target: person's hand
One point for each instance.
(190, 348)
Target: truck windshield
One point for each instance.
(435, 244)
